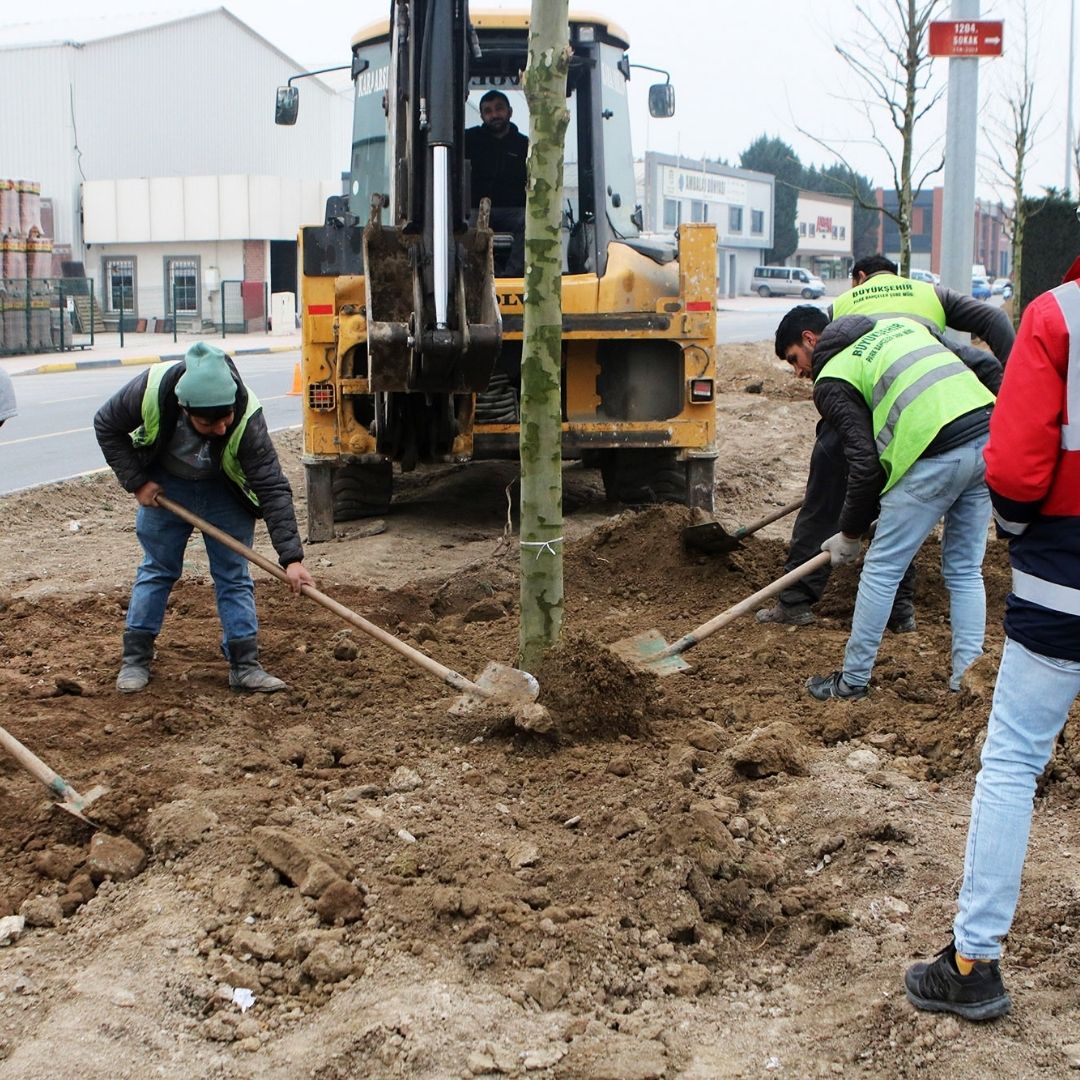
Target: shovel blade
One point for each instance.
(502, 685)
(75, 804)
(642, 650)
(710, 538)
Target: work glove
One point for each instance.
(842, 549)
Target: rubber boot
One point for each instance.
(245, 671)
(135, 664)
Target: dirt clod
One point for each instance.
(114, 857)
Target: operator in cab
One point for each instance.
(497, 152)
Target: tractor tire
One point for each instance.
(362, 490)
(643, 477)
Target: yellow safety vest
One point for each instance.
(913, 386)
(887, 296)
(147, 433)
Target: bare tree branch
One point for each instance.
(890, 57)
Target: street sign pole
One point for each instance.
(958, 202)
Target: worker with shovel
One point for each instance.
(796, 337)
(877, 291)
(193, 430)
(913, 418)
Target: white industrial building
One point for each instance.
(738, 201)
(155, 143)
(824, 223)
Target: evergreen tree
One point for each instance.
(773, 155)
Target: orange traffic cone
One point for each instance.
(297, 389)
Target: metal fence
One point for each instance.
(245, 307)
(47, 315)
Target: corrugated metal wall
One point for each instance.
(192, 98)
(36, 137)
(197, 98)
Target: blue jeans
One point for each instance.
(164, 537)
(1031, 704)
(949, 485)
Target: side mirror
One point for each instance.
(288, 105)
(661, 99)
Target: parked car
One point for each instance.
(786, 281)
(1003, 287)
(925, 275)
(980, 288)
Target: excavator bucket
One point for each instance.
(405, 351)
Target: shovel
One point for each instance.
(497, 683)
(711, 538)
(69, 799)
(649, 649)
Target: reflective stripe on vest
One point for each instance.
(901, 297)
(913, 385)
(948, 370)
(147, 433)
(1045, 593)
(1068, 300)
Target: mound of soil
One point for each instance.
(705, 875)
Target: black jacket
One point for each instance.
(841, 404)
(498, 166)
(122, 414)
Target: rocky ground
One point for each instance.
(707, 875)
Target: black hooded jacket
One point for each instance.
(122, 414)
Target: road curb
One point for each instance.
(140, 361)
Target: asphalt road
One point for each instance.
(52, 438)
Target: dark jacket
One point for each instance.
(498, 166)
(1033, 472)
(843, 406)
(122, 414)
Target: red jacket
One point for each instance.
(1033, 472)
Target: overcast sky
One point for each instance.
(740, 68)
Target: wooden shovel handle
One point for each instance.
(769, 518)
(415, 656)
(730, 614)
(33, 764)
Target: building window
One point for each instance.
(698, 211)
(672, 215)
(757, 222)
(182, 284)
(735, 219)
(836, 232)
(802, 228)
(843, 232)
(119, 273)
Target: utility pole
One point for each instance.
(958, 203)
(541, 359)
(1070, 145)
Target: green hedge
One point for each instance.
(1051, 243)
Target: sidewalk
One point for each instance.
(143, 349)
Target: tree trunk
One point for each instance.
(541, 360)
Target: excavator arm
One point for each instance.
(433, 323)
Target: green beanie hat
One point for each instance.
(207, 383)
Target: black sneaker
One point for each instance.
(824, 687)
(788, 614)
(939, 987)
(902, 624)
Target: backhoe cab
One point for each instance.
(412, 289)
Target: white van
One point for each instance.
(786, 281)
